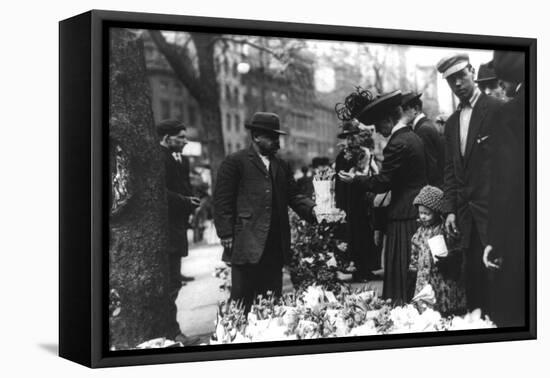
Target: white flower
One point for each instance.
(313, 298)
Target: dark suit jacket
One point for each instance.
(178, 188)
(434, 148)
(507, 212)
(467, 179)
(243, 200)
(403, 172)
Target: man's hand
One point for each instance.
(492, 264)
(450, 225)
(346, 177)
(227, 243)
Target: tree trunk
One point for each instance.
(139, 303)
(209, 100)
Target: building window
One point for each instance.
(228, 147)
(164, 85)
(227, 93)
(192, 116)
(238, 146)
(226, 66)
(237, 100)
(237, 123)
(235, 71)
(165, 109)
(228, 122)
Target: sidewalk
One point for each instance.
(198, 300)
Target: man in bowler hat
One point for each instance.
(488, 82)
(467, 172)
(426, 129)
(253, 192)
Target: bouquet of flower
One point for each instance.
(320, 313)
(317, 254)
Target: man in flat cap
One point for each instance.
(253, 192)
(404, 173)
(426, 129)
(181, 203)
(505, 254)
(467, 172)
(488, 82)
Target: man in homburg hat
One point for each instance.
(467, 172)
(253, 192)
(488, 82)
(404, 173)
(426, 129)
(505, 254)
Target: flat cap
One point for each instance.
(452, 64)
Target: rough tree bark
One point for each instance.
(140, 308)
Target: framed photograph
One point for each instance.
(235, 188)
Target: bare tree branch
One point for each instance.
(180, 61)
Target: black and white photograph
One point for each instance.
(267, 188)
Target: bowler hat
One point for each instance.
(486, 73)
(509, 65)
(380, 107)
(452, 64)
(265, 122)
(409, 97)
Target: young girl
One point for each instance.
(442, 273)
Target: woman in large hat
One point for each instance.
(403, 173)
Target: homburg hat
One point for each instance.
(486, 73)
(263, 121)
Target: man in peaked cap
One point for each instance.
(426, 129)
(467, 172)
(253, 192)
(505, 254)
(488, 82)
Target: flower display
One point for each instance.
(316, 312)
(318, 254)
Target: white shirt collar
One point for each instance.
(417, 118)
(398, 126)
(475, 97)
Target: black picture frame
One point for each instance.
(83, 279)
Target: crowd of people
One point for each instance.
(465, 185)
(460, 180)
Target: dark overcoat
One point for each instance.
(243, 201)
(178, 189)
(467, 179)
(507, 213)
(434, 148)
(403, 172)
